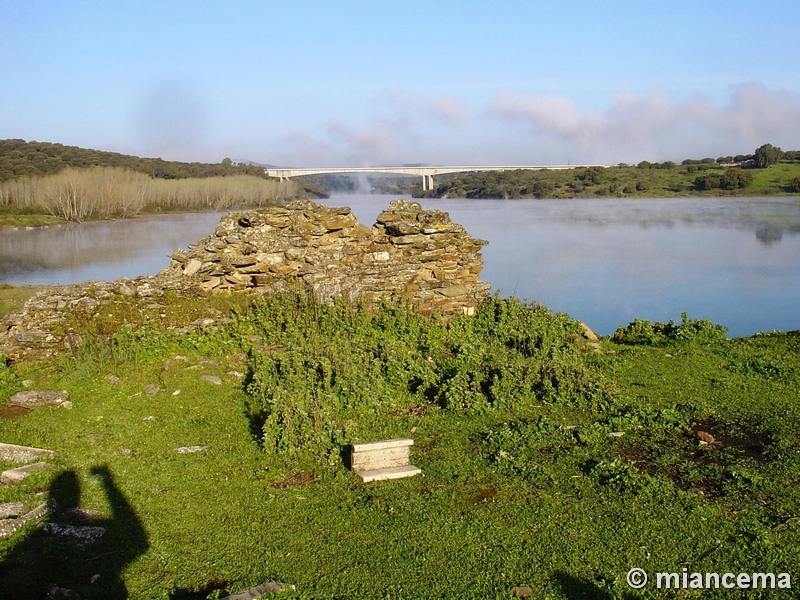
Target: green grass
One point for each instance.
(13, 297)
(773, 180)
(13, 215)
(521, 483)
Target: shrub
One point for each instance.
(689, 330)
(79, 194)
(731, 179)
(341, 372)
(593, 175)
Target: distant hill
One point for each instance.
(252, 162)
(19, 158)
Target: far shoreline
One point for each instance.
(30, 221)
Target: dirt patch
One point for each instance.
(299, 478)
(748, 443)
(483, 495)
(695, 459)
(640, 458)
(9, 412)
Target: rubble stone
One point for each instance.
(409, 253)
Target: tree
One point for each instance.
(227, 163)
(735, 179)
(593, 175)
(767, 155)
(707, 182)
(793, 155)
(731, 179)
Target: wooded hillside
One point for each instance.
(19, 158)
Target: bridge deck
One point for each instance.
(426, 172)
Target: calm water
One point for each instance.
(735, 261)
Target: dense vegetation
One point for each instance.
(43, 183)
(769, 171)
(548, 461)
(113, 192)
(19, 158)
(620, 182)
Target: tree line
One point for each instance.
(724, 175)
(19, 158)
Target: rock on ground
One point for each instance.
(40, 398)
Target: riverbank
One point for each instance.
(12, 219)
(12, 297)
(665, 180)
(103, 192)
(549, 461)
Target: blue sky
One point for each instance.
(367, 83)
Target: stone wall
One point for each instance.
(409, 252)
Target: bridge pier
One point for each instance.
(427, 182)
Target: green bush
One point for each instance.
(326, 375)
(689, 330)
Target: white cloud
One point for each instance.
(655, 127)
(397, 131)
(410, 128)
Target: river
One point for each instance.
(735, 261)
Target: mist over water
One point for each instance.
(735, 261)
(103, 251)
(605, 261)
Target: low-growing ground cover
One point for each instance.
(12, 215)
(547, 461)
(13, 297)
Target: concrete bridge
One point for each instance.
(426, 173)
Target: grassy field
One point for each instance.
(547, 462)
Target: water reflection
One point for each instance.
(606, 261)
(102, 251)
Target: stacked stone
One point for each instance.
(411, 253)
(420, 255)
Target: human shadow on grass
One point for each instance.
(61, 553)
(575, 588)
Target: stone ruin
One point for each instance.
(409, 253)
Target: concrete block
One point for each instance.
(387, 459)
(9, 527)
(13, 476)
(390, 473)
(21, 454)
